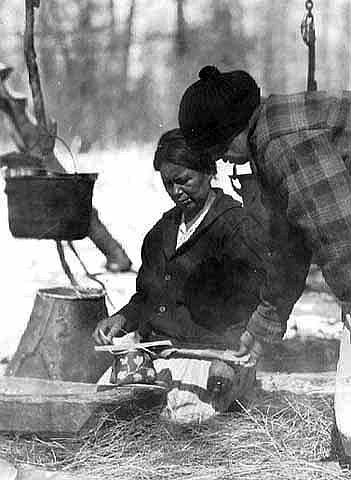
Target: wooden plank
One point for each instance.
(321, 383)
(174, 351)
(38, 386)
(122, 347)
(227, 355)
(46, 406)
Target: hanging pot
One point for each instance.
(49, 206)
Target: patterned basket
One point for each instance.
(134, 366)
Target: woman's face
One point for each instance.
(187, 188)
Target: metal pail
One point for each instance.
(57, 343)
(51, 206)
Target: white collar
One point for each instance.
(186, 230)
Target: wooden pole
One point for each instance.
(32, 66)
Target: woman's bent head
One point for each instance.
(217, 108)
(186, 175)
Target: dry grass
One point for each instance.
(283, 436)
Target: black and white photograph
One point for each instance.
(175, 229)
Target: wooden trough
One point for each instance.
(30, 405)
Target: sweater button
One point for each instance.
(167, 277)
(162, 309)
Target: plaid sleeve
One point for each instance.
(309, 190)
(301, 147)
(287, 264)
(265, 323)
(317, 191)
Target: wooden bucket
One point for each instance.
(57, 343)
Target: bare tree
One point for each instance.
(345, 45)
(268, 45)
(127, 44)
(180, 36)
(327, 43)
(113, 21)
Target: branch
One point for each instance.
(33, 70)
(65, 266)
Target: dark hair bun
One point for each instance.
(208, 72)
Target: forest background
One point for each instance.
(114, 70)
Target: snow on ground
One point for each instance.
(130, 198)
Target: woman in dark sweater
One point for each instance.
(201, 265)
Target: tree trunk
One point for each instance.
(326, 52)
(180, 37)
(345, 47)
(111, 8)
(268, 53)
(126, 49)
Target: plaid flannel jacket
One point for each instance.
(300, 148)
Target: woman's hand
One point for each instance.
(108, 328)
(250, 350)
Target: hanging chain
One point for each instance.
(309, 37)
(307, 25)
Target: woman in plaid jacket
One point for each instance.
(299, 147)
